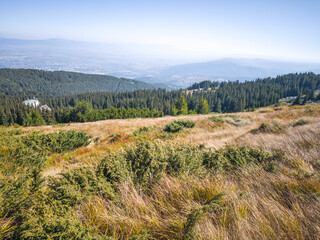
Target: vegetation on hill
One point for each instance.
(26, 82)
(229, 97)
(205, 85)
(131, 182)
(226, 97)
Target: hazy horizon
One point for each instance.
(276, 30)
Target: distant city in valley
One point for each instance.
(159, 65)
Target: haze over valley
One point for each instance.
(160, 65)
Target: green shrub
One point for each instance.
(79, 184)
(300, 122)
(114, 168)
(233, 157)
(10, 132)
(173, 127)
(34, 118)
(178, 125)
(42, 212)
(142, 130)
(231, 116)
(19, 153)
(216, 119)
(148, 161)
(56, 142)
(274, 127)
(187, 124)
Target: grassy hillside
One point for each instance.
(252, 175)
(29, 81)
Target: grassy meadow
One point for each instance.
(248, 175)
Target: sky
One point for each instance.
(280, 29)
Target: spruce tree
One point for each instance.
(181, 107)
(34, 118)
(203, 107)
(296, 101)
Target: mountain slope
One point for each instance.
(218, 180)
(29, 81)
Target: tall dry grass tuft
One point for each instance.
(250, 204)
(6, 226)
(163, 212)
(128, 216)
(300, 144)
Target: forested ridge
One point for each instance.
(223, 97)
(24, 82)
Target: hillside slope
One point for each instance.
(250, 175)
(38, 82)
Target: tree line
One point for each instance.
(215, 97)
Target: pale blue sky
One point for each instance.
(286, 29)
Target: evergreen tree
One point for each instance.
(219, 106)
(297, 100)
(181, 107)
(203, 107)
(34, 118)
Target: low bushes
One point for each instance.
(273, 127)
(56, 142)
(233, 157)
(147, 162)
(65, 207)
(173, 127)
(177, 126)
(10, 131)
(142, 130)
(31, 150)
(187, 124)
(79, 184)
(216, 119)
(300, 122)
(234, 120)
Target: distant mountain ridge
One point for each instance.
(161, 66)
(31, 81)
(230, 69)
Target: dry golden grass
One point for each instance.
(255, 206)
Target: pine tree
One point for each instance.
(181, 107)
(203, 107)
(219, 106)
(35, 119)
(296, 101)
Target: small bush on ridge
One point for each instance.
(300, 122)
(173, 127)
(178, 125)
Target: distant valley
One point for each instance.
(161, 66)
